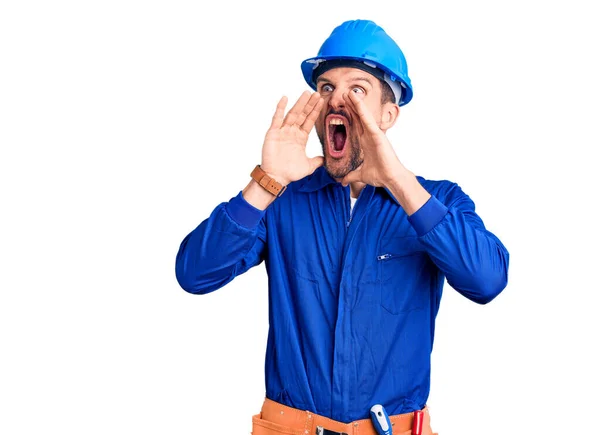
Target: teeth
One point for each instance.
(336, 121)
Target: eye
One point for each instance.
(358, 90)
(326, 88)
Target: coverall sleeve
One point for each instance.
(228, 243)
(473, 259)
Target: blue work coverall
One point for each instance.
(353, 293)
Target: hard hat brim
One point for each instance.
(310, 64)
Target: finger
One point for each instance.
(365, 115)
(312, 117)
(307, 110)
(353, 176)
(355, 116)
(315, 162)
(278, 116)
(290, 118)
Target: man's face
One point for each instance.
(337, 125)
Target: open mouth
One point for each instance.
(337, 134)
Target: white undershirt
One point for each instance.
(352, 202)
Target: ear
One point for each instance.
(389, 115)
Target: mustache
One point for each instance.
(341, 113)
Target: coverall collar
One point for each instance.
(321, 178)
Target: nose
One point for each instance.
(336, 101)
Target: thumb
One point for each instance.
(315, 162)
(352, 176)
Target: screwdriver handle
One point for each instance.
(417, 426)
(381, 420)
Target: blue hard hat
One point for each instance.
(365, 42)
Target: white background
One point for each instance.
(124, 123)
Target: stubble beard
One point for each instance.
(353, 162)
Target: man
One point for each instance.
(356, 248)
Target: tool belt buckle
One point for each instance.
(322, 431)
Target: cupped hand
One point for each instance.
(284, 150)
(380, 162)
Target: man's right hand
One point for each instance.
(284, 150)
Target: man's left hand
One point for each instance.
(381, 166)
(380, 163)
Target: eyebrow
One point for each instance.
(351, 79)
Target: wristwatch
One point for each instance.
(268, 183)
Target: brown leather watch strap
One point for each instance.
(268, 183)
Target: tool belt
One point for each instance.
(278, 419)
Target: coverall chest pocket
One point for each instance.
(401, 268)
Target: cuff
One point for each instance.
(428, 216)
(243, 212)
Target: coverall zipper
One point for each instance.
(355, 204)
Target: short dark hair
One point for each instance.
(387, 95)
